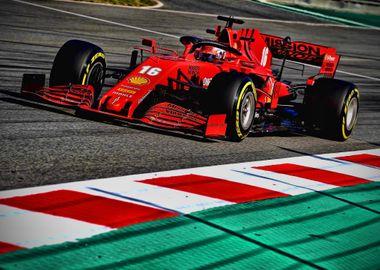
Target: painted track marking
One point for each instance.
(283, 184)
(215, 187)
(70, 211)
(32, 229)
(155, 32)
(178, 201)
(364, 159)
(97, 19)
(328, 177)
(88, 208)
(6, 247)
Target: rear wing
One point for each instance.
(303, 52)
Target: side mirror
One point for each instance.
(286, 42)
(150, 43)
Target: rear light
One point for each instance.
(310, 81)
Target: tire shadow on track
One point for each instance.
(17, 98)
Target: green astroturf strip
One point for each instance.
(369, 19)
(348, 18)
(336, 230)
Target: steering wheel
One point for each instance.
(214, 44)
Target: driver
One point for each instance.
(210, 53)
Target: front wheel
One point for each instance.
(233, 94)
(332, 106)
(79, 62)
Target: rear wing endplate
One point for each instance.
(304, 52)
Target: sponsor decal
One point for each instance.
(176, 110)
(130, 87)
(330, 58)
(264, 56)
(296, 50)
(115, 100)
(151, 71)
(329, 65)
(126, 91)
(77, 92)
(206, 81)
(329, 68)
(143, 97)
(193, 70)
(138, 80)
(123, 95)
(180, 112)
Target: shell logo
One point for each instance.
(138, 80)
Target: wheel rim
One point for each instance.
(95, 76)
(352, 111)
(247, 110)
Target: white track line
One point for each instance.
(174, 36)
(358, 75)
(97, 19)
(158, 5)
(31, 229)
(211, 15)
(341, 71)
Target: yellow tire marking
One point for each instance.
(355, 91)
(237, 123)
(96, 56)
(85, 74)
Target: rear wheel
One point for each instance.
(332, 106)
(79, 62)
(233, 94)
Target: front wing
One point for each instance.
(163, 115)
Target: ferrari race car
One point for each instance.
(218, 88)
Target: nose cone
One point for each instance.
(116, 104)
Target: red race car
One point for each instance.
(222, 88)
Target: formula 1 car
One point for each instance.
(221, 87)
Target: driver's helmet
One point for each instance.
(210, 53)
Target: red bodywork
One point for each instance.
(165, 69)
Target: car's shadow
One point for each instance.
(280, 133)
(17, 98)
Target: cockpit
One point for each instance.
(209, 54)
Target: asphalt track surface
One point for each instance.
(43, 144)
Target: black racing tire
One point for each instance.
(332, 106)
(233, 94)
(79, 62)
